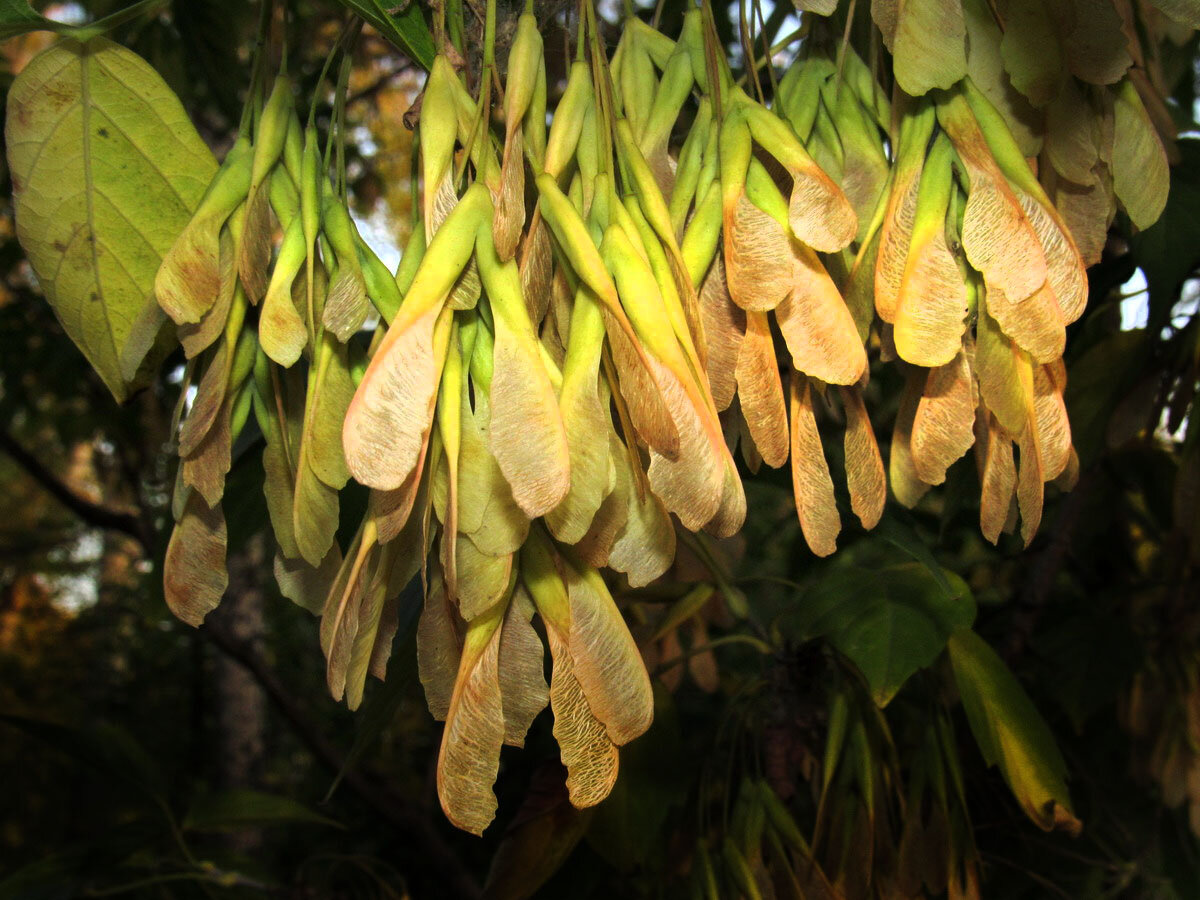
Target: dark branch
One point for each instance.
(93, 514)
(377, 794)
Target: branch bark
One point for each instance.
(93, 514)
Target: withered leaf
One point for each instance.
(439, 646)
(811, 483)
(469, 757)
(523, 689)
(864, 464)
(194, 574)
(724, 324)
(943, 427)
(817, 326)
(760, 391)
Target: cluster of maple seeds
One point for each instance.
(550, 385)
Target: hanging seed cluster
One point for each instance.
(600, 304)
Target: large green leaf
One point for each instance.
(406, 29)
(236, 809)
(890, 622)
(106, 171)
(17, 17)
(1010, 732)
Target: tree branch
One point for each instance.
(382, 798)
(93, 514)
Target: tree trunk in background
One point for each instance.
(239, 702)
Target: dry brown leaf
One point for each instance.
(390, 415)
(589, 754)
(205, 467)
(1053, 429)
(537, 268)
(523, 689)
(760, 391)
(606, 660)
(1004, 372)
(724, 325)
(864, 464)
(943, 427)
(997, 476)
(1029, 484)
(194, 574)
(996, 235)
(469, 757)
(439, 646)
(817, 326)
(757, 254)
(907, 486)
(1035, 324)
(811, 483)
(1065, 272)
(1086, 210)
(508, 220)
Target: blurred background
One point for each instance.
(140, 757)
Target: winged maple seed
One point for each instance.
(599, 302)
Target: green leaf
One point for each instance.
(1141, 177)
(106, 171)
(406, 29)
(890, 622)
(236, 809)
(1031, 51)
(17, 17)
(1010, 732)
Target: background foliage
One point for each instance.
(145, 758)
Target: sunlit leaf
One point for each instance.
(107, 169)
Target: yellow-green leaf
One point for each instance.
(1010, 732)
(106, 170)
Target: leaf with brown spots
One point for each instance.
(194, 574)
